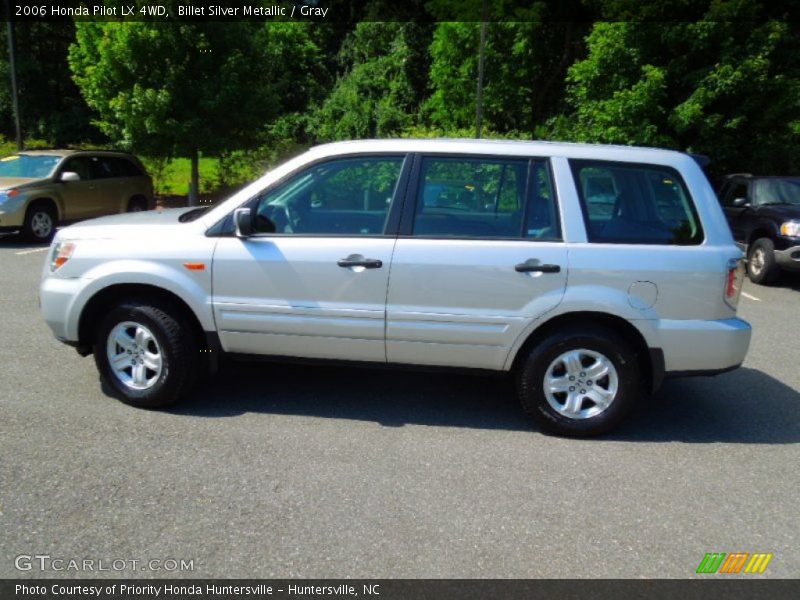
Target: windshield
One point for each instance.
(777, 191)
(26, 165)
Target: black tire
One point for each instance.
(40, 223)
(177, 345)
(137, 204)
(761, 265)
(596, 339)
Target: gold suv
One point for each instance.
(40, 189)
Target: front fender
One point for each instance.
(193, 287)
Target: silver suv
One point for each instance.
(587, 272)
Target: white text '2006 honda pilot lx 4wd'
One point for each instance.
(589, 272)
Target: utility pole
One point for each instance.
(481, 63)
(12, 67)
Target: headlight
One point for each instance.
(62, 252)
(6, 194)
(791, 228)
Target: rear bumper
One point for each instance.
(788, 259)
(703, 347)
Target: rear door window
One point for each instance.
(635, 204)
(125, 168)
(485, 198)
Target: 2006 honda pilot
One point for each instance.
(589, 272)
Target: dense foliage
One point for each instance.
(722, 89)
(719, 77)
(51, 105)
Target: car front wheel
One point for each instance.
(40, 223)
(761, 265)
(147, 354)
(580, 381)
(137, 204)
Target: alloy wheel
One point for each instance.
(134, 355)
(581, 383)
(757, 261)
(41, 224)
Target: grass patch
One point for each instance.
(178, 173)
(8, 146)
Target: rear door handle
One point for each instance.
(360, 261)
(533, 266)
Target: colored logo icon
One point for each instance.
(735, 562)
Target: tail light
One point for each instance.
(733, 282)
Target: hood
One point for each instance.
(6, 183)
(782, 211)
(137, 224)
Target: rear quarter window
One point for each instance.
(126, 168)
(635, 204)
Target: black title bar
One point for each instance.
(716, 588)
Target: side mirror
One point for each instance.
(243, 222)
(69, 176)
(740, 202)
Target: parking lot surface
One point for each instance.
(291, 471)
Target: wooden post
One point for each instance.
(12, 67)
(194, 186)
(481, 63)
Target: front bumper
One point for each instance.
(12, 213)
(789, 258)
(57, 297)
(703, 347)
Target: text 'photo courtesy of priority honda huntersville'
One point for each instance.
(588, 273)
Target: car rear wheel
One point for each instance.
(40, 223)
(137, 205)
(148, 355)
(580, 381)
(761, 265)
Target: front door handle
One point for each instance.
(532, 265)
(356, 260)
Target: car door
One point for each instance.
(312, 282)
(79, 197)
(479, 256)
(736, 213)
(109, 186)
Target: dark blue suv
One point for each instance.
(764, 215)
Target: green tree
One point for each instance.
(526, 63)
(382, 84)
(51, 105)
(169, 89)
(727, 86)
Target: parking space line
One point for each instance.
(749, 297)
(32, 251)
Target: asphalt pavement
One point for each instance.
(287, 471)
